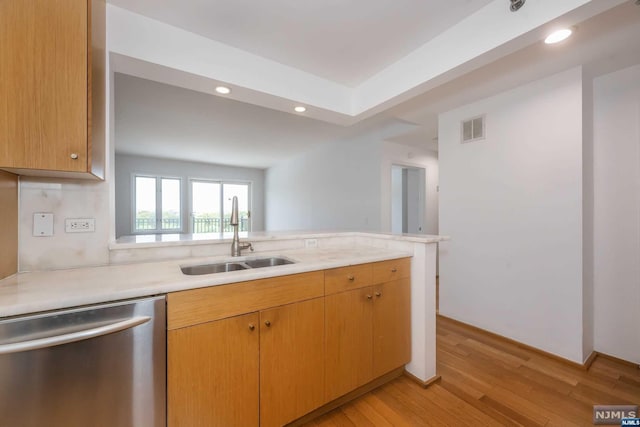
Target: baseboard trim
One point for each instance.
(581, 366)
(396, 373)
(592, 357)
(420, 382)
(616, 359)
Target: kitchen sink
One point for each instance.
(223, 267)
(267, 262)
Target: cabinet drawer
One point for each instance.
(196, 306)
(386, 271)
(346, 278)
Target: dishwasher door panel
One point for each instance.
(117, 379)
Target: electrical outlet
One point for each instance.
(310, 243)
(80, 225)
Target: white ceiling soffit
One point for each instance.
(342, 41)
(151, 49)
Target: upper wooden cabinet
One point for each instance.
(52, 87)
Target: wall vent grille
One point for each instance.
(472, 129)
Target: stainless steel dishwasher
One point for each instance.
(101, 365)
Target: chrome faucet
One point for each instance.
(236, 246)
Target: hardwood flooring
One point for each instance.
(490, 382)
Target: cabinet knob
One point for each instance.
(351, 278)
(251, 326)
(268, 323)
(74, 156)
(393, 270)
(369, 297)
(378, 294)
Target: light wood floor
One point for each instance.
(487, 382)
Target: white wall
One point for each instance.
(512, 205)
(617, 213)
(333, 187)
(126, 165)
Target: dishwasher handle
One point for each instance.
(74, 336)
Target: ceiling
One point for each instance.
(159, 120)
(343, 41)
(184, 120)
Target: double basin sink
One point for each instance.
(223, 267)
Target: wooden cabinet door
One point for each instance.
(349, 341)
(44, 84)
(291, 361)
(391, 326)
(212, 374)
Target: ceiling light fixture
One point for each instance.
(558, 36)
(223, 90)
(516, 5)
(300, 109)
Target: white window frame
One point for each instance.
(157, 230)
(249, 184)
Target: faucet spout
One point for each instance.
(236, 246)
(234, 212)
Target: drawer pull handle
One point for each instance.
(369, 297)
(74, 156)
(351, 278)
(268, 323)
(251, 326)
(378, 294)
(393, 270)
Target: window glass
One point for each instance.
(205, 207)
(145, 209)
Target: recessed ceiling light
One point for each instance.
(300, 109)
(558, 36)
(223, 90)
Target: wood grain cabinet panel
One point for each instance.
(391, 326)
(349, 341)
(46, 104)
(212, 374)
(346, 278)
(291, 361)
(217, 302)
(8, 224)
(394, 269)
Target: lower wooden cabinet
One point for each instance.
(291, 361)
(391, 326)
(213, 373)
(349, 336)
(368, 330)
(306, 342)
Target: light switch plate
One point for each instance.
(42, 224)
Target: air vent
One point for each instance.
(472, 129)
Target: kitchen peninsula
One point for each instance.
(148, 265)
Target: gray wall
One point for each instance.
(126, 165)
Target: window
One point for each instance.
(157, 204)
(211, 206)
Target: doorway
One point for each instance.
(408, 199)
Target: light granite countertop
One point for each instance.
(51, 290)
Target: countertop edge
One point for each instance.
(35, 293)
